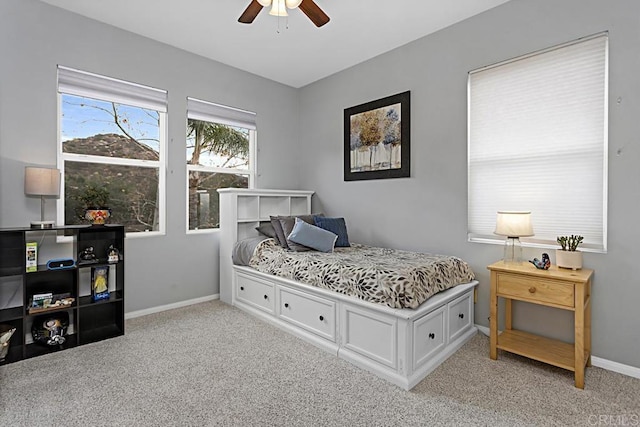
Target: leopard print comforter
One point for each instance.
(398, 279)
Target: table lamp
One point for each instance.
(41, 182)
(513, 225)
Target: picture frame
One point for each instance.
(377, 139)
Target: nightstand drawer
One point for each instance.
(543, 291)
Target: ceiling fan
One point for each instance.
(279, 8)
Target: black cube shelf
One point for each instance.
(89, 320)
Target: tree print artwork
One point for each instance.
(377, 139)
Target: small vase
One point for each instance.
(569, 259)
(97, 216)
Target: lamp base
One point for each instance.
(512, 251)
(42, 224)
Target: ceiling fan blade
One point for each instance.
(250, 12)
(314, 13)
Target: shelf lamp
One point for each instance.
(513, 225)
(41, 182)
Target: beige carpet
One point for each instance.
(211, 364)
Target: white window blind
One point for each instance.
(94, 112)
(210, 112)
(82, 83)
(537, 141)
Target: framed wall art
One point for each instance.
(377, 139)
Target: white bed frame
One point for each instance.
(400, 345)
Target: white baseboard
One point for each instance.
(599, 362)
(609, 365)
(158, 309)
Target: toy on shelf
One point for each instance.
(87, 256)
(99, 283)
(50, 329)
(6, 331)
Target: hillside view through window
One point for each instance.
(116, 147)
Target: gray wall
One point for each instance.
(428, 211)
(34, 38)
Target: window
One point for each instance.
(220, 145)
(538, 142)
(112, 136)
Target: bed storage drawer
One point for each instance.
(255, 292)
(460, 316)
(315, 314)
(428, 336)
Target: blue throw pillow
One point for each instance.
(334, 225)
(312, 236)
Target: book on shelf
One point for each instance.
(48, 301)
(41, 300)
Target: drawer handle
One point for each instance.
(532, 290)
(321, 318)
(432, 335)
(242, 288)
(286, 305)
(461, 315)
(266, 297)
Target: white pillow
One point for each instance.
(312, 236)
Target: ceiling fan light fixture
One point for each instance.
(292, 4)
(278, 8)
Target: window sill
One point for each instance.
(204, 231)
(143, 234)
(537, 245)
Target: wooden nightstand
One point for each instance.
(559, 288)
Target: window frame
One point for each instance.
(250, 171)
(538, 242)
(160, 164)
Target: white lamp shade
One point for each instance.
(41, 181)
(292, 4)
(278, 8)
(265, 3)
(514, 224)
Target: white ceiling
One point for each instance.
(297, 56)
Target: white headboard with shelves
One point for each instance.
(242, 210)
